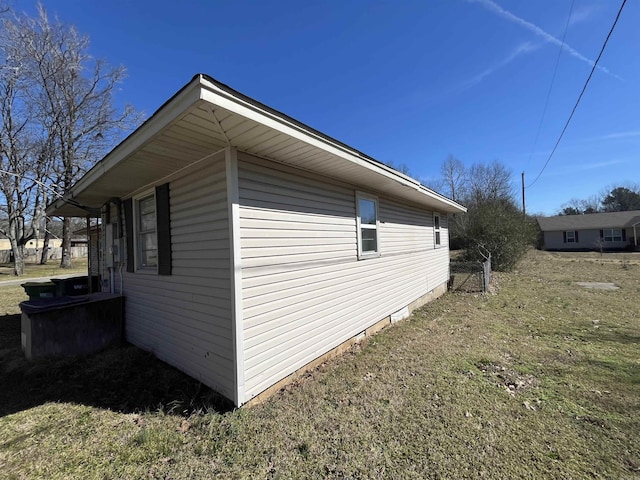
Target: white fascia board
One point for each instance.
(168, 113)
(216, 96)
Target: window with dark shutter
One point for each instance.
(148, 226)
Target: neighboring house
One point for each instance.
(249, 245)
(592, 231)
(5, 244)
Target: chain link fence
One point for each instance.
(470, 277)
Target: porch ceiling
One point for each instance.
(205, 117)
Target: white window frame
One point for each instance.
(571, 236)
(137, 244)
(612, 237)
(437, 230)
(372, 198)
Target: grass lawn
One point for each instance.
(33, 270)
(539, 380)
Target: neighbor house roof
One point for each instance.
(590, 221)
(206, 116)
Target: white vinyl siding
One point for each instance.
(304, 290)
(185, 318)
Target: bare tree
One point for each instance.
(591, 204)
(454, 178)
(19, 185)
(489, 181)
(72, 98)
(572, 207)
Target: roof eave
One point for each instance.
(202, 87)
(167, 113)
(231, 100)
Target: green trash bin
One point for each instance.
(37, 290)
(72, 286)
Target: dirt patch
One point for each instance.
(599, 285)
(508, 379)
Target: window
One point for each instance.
(436, 230)
(611, 235)
(367, 210)
(146, 236)
(571, 237)
(148, 231)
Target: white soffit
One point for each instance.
(304, 148)
(204, 117)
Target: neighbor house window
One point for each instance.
(571, 237)
(146, 234)
(436, 230)
(367, 211)
(612, 235)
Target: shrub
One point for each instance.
(497, 227)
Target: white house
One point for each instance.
(249, 245)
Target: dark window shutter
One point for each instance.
(601, 234)
(624, 235)
(163, 229)
(128, 225)
(576, 234)
(564, 237)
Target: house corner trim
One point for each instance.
(233, 204)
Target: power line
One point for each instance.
(553, 78)
(595, 64)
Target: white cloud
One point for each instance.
(576, 168)
(498, 10)
(596, 165)
(582, 14)
(520, 50)
(618, 135)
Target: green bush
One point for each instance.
(497, 227)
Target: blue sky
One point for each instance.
(408, 82)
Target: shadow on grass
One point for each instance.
(124, 379)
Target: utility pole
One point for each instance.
(524, 210)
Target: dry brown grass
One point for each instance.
(541, 380)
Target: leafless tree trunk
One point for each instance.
(44, 257)
(18, 189)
